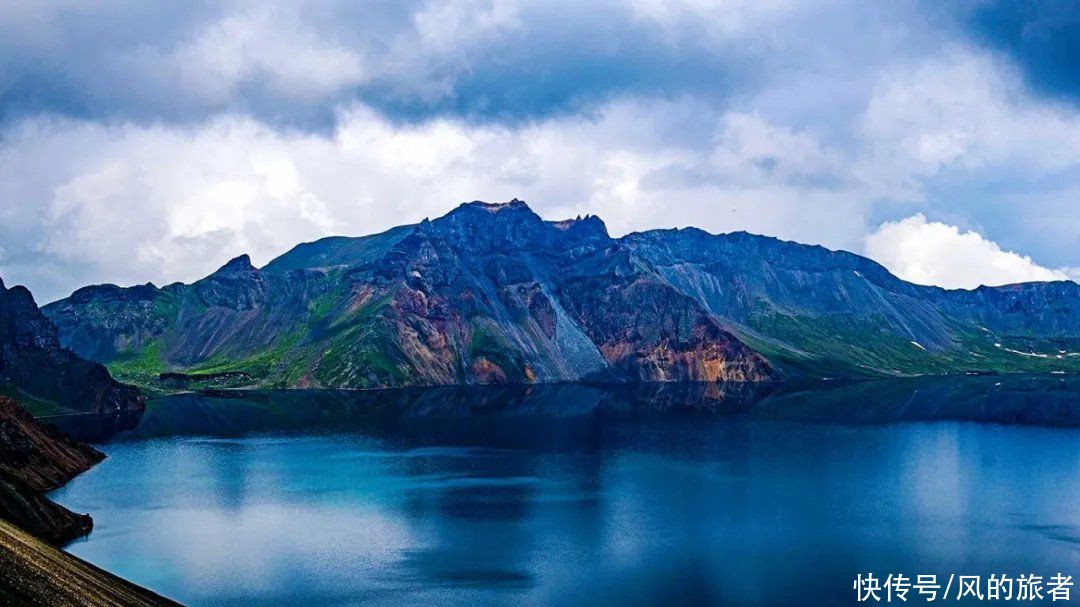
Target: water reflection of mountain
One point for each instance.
(1037, 400)
(545, 412)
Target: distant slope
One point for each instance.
(339, 251)
(491, 293)
(833, 313)
(33, 573)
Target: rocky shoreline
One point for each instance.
(32, 573)
(38, 376)
(33, 460)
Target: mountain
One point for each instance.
(818, 312)
(49, 379)
(35, 459)
(492, 293)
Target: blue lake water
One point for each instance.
(583, 498)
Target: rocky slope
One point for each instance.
(818, 312)
(486, 294)
(33, 460)
(46, 377)
(491, 293)
(37, 515)
(39, 456)
(34, 574)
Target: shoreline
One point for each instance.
(35, 573)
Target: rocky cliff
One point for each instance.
(492, 293)
(45, 376)
(818, 312)
(48, 379)
(487, 294)
(35, 459)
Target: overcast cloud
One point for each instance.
(154, 141)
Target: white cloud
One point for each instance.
(130, 203)
(812, 153)
(725, 18)
(261, 46)
(935, 253)
(127, 203)
(961, 111)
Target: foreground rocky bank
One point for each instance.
(33, 573)
(34, 458)
(33, 570)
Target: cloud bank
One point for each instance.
(153, 143)
(934, 253)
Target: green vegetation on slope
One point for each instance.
(842, 346)
(139, 367)
(489, 343)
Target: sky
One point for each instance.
(153, 141)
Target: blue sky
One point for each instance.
(153, 141)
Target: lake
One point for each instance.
(587, 495)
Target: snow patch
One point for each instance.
(1033, 354)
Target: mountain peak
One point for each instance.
(237, 265)
(589, 225)
(110, 292)
(487, 220)
(492, 207)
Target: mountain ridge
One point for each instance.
(493, 293)
(38, 371)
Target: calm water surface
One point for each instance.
(564, 502)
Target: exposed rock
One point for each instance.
(831, 313)
(35, 459)
(39, 456)
(33, 574)
(36, 514)
(34, 366)
(492, 293)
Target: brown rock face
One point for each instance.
(648, 331)
(37, 515)
(40, 457)
(35, 459)
(486, 372)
